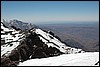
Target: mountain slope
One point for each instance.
(10, 39)
(80, 59)
(21, 45)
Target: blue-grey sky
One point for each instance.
(50, 11)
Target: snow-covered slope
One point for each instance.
(52, 41)
(18, 24)
(10, 39)
(80, 59)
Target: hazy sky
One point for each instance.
(50, 11)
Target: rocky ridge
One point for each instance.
(20, 45)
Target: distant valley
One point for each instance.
(84, 36)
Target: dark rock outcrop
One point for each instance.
(30, 48)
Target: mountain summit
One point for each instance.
(18, 24)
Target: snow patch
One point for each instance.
(54, 42)
(79, 59)
(11, 39)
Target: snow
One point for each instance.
(45, 41)
(10, 39)
(6, 49)
(6, 29)
(2, 32)
(54, 40)
(79, 59)
(8, 36)
(50, 44)
(1, 20)
(62, 47)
